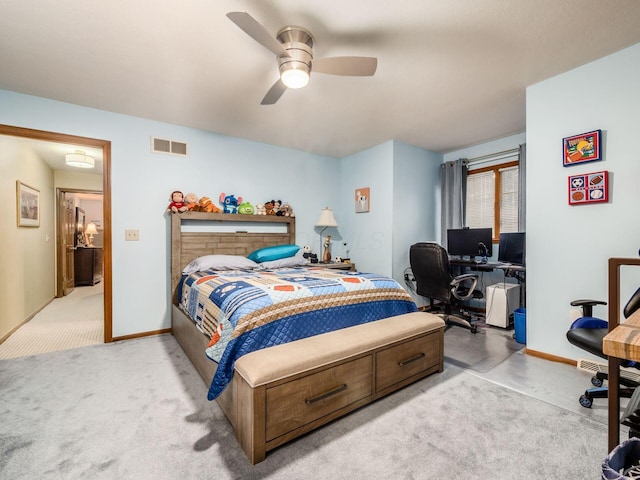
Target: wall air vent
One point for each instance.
(162, 145)
(597, 366)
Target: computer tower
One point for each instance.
(502, 299)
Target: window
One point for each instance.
(492, 198)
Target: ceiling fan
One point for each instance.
(293, 47)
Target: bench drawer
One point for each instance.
(402, 361)
(299, 402)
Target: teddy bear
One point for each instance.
(177, 204)
(268, 208)
(191, 200)
(260, 209)
(206, 205)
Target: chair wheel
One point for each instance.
(585, 401)
(596, 382)
(474, 329)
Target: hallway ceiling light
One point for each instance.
(79, 159)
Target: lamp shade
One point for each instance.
(326, 218)
(91, 229)
(79, 159)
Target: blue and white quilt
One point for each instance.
(246, 310)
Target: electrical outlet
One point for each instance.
(132, 235)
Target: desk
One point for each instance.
(622, 340)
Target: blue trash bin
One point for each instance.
(520, 323)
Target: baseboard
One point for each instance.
(142, 334)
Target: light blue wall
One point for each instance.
(368, 235)
(568, 246)
(141, 183)
(416, 201)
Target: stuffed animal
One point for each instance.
(230, 203)
(268, 208)
(276, 207)
(177, 204)
(312, 257)
(206, 205)
(260, 210)
(286, 211)
(191, 200)
(245, 208)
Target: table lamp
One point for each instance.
(326, 220)
(91, 231)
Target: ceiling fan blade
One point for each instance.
(256, 31)
(348, 66)
(274, 93)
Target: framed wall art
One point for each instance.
(582, 148)
(28, 202)
(589, 188)
(362, 200)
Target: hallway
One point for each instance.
(76, 320)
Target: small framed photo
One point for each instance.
(28, 202)
(362, 200)
(589, 188)
(582, 148)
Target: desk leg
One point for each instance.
(614, 402)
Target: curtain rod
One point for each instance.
(492, 156)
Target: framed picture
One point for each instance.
(28, 202)
(80, 226)
(589, 188)
(362, 200)
(582, 148)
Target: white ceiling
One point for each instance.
(451, 73)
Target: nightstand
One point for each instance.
(334, 266)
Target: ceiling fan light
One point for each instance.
(295, 78)
(79, 159)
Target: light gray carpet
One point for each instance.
(138, 410)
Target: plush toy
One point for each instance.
(191, 200)
(268, 206)
(276, 207)
(245, 208)
(312, 257)
(206, 205)
(260, 210)
(230, 203)
(286, 211)
(177, 204)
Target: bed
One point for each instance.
(196, 234)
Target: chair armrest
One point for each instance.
(587, 306)
(456, 285)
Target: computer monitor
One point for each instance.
(512, 248)
(469, 242)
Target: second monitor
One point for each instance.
(470, 242)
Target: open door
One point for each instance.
(69, 228)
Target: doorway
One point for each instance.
(105, 146)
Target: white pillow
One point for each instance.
(295, 261)
(219, 262)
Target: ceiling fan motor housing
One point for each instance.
(298, 43)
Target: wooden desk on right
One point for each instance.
(622, 341)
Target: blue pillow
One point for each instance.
(273, 253)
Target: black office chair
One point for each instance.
(434, 280)
(587, 333)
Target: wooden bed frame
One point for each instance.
(186, 246)
(399, 350)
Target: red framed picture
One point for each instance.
(581, 148)
(589, 188)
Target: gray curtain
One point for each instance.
(522, 188)
(453, 183)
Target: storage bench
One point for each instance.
(287, 390)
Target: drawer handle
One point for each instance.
(311, 401)
(412, 359)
